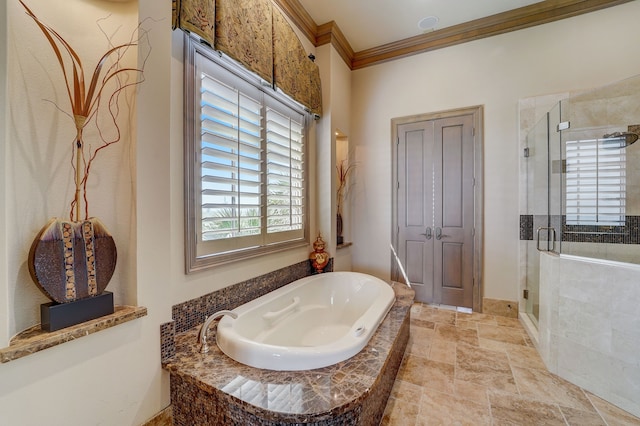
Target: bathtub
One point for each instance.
(310, 323)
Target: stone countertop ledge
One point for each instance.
(34, 340)
(316, 394)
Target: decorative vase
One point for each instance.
(318, 257)
(70, 261)
(339, 237)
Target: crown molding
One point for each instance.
(517, 19)
(300, 17)
(331, 33)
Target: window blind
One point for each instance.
(595, 182)
(231, 162)
(245, 170)
(285, 159)
(251, 165)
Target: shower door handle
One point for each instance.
(427, 234)
(553, 239)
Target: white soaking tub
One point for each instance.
(310, 323)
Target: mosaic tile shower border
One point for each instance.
(193, 312)
(627, 234)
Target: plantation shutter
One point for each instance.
(249, 175)
(231, 161)
(595, 183)
(284, 169)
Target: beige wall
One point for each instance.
(4, 270)
(336, 92)
(573, 54)
(114, 377)
(40, 137)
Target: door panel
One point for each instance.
(415, 209)
(452, 177)
(453, 266)
(415, 153)
(435, 193)
(454, 195)
(415, 261)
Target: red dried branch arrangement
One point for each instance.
(108, 80)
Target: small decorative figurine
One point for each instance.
(318, 257)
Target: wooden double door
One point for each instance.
(435, 208)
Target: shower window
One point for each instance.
(595, 183)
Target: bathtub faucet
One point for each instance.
(202, 336)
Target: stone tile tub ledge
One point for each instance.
(213, 389)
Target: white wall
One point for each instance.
(573, 54)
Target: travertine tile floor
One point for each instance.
(477, 369)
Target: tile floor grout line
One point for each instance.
(594, 407)
(453, 337)
(566, 422)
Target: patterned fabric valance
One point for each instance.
(196, 16)
(256, 34)
(244, 32)
(293, 71)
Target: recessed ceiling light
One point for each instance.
(428, 23)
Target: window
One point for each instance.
(595, 182)
(245, 168)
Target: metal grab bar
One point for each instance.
(271, 316)
(399, 263)
(553, 240)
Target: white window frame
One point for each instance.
(268, 155)
(595, 189)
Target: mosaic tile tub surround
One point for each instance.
(213, 389)
(193, 312)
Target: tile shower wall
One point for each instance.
(589, 329)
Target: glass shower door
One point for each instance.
(544, 169)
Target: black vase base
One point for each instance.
(55, 316)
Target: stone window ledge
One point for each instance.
(34, 340)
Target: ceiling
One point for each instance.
(371, 23)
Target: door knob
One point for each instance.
(439, 234)
(427, 234)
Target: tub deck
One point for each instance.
(213, 389)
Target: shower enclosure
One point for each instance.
(580, 171)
